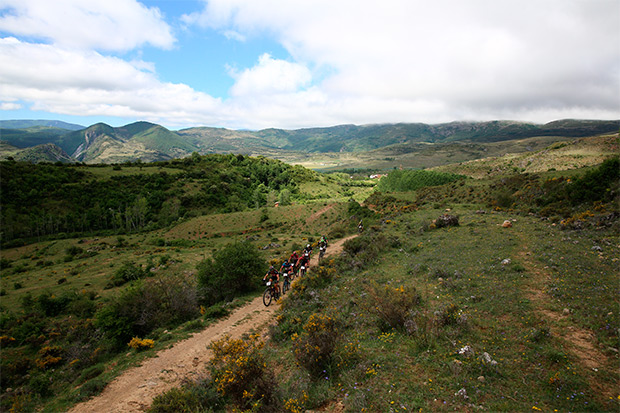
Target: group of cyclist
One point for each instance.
(293, 264)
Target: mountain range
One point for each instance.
(54, 141)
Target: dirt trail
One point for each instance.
(578, 341)
(134, 390)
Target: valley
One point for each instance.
(438, 305)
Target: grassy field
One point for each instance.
(413, 317)
(505, 319)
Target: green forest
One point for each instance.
(66, 200)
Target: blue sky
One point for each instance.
(301, 63)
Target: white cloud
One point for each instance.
(350, 61)
(270, 76)
(432, 61)
(89, 84)
(110, 25)
(10, 106)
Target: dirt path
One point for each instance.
(134, 390)
(578, 341)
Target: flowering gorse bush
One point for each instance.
(49, 356)
(240, 372)
(141, 344)
(314, 348)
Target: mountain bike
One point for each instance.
(270, 293)
(286, 283)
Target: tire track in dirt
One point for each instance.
(580, 342)
(135, 389)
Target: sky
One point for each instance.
(254, 64)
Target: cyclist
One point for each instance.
(308, 250)
(303, 260)
(323, 242)
(286, 267)
(274, 276)
(293, 258)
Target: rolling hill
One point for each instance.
(101, 143)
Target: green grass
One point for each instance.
(410, 371)
(515, 312)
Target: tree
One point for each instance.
(259, 196)
(234, 270)
(285, 197)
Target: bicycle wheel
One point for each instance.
(267, 297)
(285, 287)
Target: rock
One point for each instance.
(597, 248)
(486, 359)
(507, 224)
(481, 379)
(466, 351)
(506, 261)
(462, 393)
(447, 220)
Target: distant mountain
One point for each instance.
(354, 138)
(29, 123)
(101, 143)
(47, 152)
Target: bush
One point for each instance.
(240, 372)
(314, 348)
(446, 220)
(363, 250)
(138, 310)
(393, 306)
(90, 373)
(410, 180)
(128, 272)
(600, 184)
(137, 343)
(198, 397)
(450, 314)
(234, 270)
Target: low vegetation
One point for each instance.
(435, 306)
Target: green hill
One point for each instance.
(29, 123)
(150, 142)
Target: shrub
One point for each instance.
(198, 397)
(91, 388)
(90, 373)
(240, 372)
(234, 270)
(128, 272)
(446, 220)
(143, 307)
(314, 348)
(73, 251)
(450, 314)
(392, 306)
(137, 343)
(600, 184)
(51, 305)
(363, 250)
(49, 356)
(410, 180)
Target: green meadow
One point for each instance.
(466, 291)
